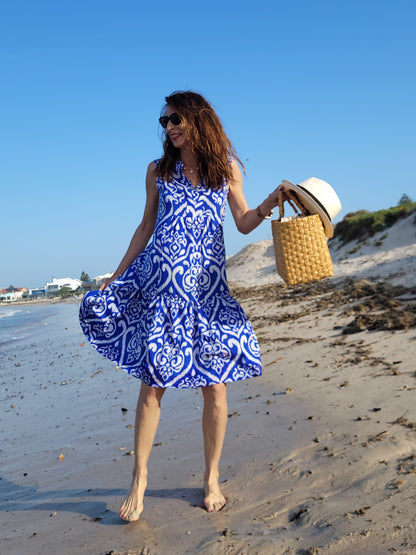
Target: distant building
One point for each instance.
(56, 285)
(95, 283)
(37, 293)
(98, 280)
(14, 294)
(8, 297)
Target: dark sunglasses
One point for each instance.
(174, 118)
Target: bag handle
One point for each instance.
(294, 204)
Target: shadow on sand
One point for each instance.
(86, 502)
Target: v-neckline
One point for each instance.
(194, 187)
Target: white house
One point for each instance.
(57, 284)
(98, 280)
(15, 295)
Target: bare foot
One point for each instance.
(132, 507)
(214, 500)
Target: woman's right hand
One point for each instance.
(108, 281)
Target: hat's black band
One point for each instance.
(316, 200)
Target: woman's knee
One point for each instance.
(216, 392)
(151, 395)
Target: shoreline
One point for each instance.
(52, 300)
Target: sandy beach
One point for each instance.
(320, 452)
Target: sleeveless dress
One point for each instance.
(170, 320)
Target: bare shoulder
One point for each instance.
(151, 176)
(151, 168)
(235, 166)
(237, 180)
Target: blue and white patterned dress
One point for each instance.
(170, 319)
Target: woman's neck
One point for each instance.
(188, 158)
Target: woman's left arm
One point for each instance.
(247, 219)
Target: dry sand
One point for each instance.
(320, 453)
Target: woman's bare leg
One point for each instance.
(147, 420)
(214, 423)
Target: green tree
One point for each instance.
(405, 199)
(84, 277)
(64, 291)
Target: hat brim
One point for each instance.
(312, 205)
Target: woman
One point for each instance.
(166, 315)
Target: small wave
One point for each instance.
(6, 312)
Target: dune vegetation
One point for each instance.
(358, 226)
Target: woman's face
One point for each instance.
(177, 133)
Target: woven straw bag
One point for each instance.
(300, 245)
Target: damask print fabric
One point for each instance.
(170, 320)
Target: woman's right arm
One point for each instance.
(145, 229)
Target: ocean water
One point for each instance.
(20, 322)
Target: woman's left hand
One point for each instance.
(273, 199)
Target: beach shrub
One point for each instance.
(64, 292)
(357, 226)
(404, 199)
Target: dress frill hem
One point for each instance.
(168, 341)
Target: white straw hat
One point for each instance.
(318, 197)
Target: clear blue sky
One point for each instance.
(304, 88)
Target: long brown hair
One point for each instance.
(208, 139)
